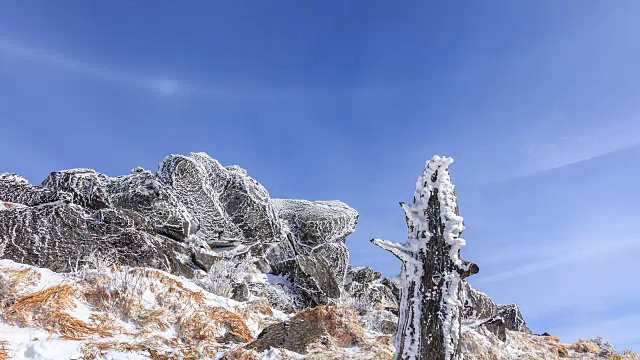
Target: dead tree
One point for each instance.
(432, 271)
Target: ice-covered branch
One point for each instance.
(396, 249)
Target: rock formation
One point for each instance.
(175, 220)
(432, 271)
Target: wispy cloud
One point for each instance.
(578, 144)
(161, 85)
(562, 257)
(167, 85)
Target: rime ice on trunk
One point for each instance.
(430, 305)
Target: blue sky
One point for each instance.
(536, 101)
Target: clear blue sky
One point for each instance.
(536, 100)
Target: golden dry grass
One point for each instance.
(584, 346)
(4, 350)
(241, 354)
(15, 283)
(32, 306)
(9, 205)
(149, 300)
(341, 323)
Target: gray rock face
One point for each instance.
(294, 335)
(317, 222)
(476, 304)
(56, 235)
(313, 255)
(312, 278)
(497, 326)
(170, 220)
(84, 186)
(478, 308)
(513, 318)
(230, 206)
(143, 193)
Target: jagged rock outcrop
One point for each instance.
(57, 235)
(142, 192)
(477, 305)
(84, 186)
(512, 317)
(17, 190)
(430, 310)
(172, 219)
(314, 254)
(231, 207)
(366, 285)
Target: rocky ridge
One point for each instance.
(177, 219)
(219, 228)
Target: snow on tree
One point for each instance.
(430, 305)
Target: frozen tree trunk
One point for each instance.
(430, 305)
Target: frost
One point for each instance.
(433, 243)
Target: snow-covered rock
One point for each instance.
(172, 219)
(231, 207)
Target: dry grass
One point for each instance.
(9, 205)
(341, 323)
(240, 354)
(149, 300)
(14, 283)
(38, 304)
(157, 349)
(4, 350)
(584, 346)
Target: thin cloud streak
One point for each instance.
(162, 85)
(577, 254)
(13, 48)
(159, 85)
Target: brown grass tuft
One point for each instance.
(4, 350)
(205, 324)
(584, 346)
(341, 323)
(14, 284)
(240, 354)
(29, 307)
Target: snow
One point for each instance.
(35, 344)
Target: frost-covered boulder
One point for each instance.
(58, 236)
(144, 193)
(513, 318)
(16, 189)
(314, 255)
(367, 287)
(230, 206)
(476, 304)
(172, 218)
(317, 222)
(84, 185)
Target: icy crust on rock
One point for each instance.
(84, 186)
(317, 222)
(230, 206)
(55, 236)
(171, 219)
(16, 189)
(143, 193)
(314, 254)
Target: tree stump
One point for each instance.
(431, 278)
